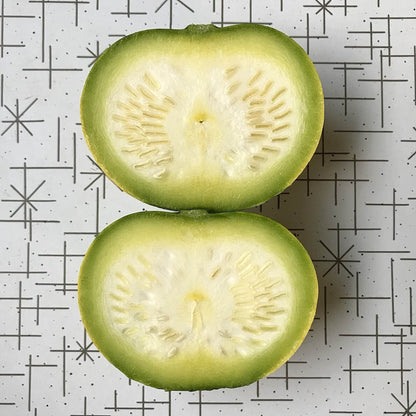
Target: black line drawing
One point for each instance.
(3, 19)
(202, 403)
(223, 22)
(85, 411)
(26, 203)
(21, 125)
(83, 350)
(325, 6)
(382, 81)
(338, 258)
(353, 208)
(405, 406)
(129, 12)
(63, 286)
(171, 4)
(92, 54)
(308, 35)
(50, 69)
(31, 366)
(287, 374)
(20, 334)
(97, 175)
(359, 297)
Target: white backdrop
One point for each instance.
(353, 208)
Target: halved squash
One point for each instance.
(203, 118)
(193, 300)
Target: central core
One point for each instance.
(223, 123)
(167, 300)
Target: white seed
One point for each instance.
(232, 88)
(172, 352)
(152, 114)
(283, 126)
(266, 88)
(280, 116)
(131, 90)
(163, 160)
(274, 108)
(257, 135)
(270, 149)
(255, 78)
(278, 94)
(118, 308)
(160, 174)
(263, 126)
(162, 108)
(229, 72)
(132, 271)
(170, 101)
(151, 82)
(250, 93)
(147, 93)
(250, 329)
(133, 330)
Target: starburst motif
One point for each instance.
(406, 408)
(85, 349)
(324, 7)
(26, 199)
(170, 2)
(93, 55)
(18, 121)
(98, 175)
(414, 153)
(338, 259)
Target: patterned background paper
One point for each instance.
(353, 208)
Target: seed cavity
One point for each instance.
(278, 94)
(250, 93)
(151, 82)
(284, 115)
(169, 100)
(267, 88)
(215, 273)
(172, 352)
(163, 302)
(144, 113)
(232, 88)
(267, 112)
(141, 119)
(275, 107)
(229, 72)
(255, 78)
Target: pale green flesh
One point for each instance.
(201, 301)
(201, 120)
(219, 119)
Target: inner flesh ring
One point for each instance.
(232, 302)
(232, 121)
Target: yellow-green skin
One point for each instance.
(202, 370)
(213, 195)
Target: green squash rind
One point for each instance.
(205, 372)
(235, 196)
